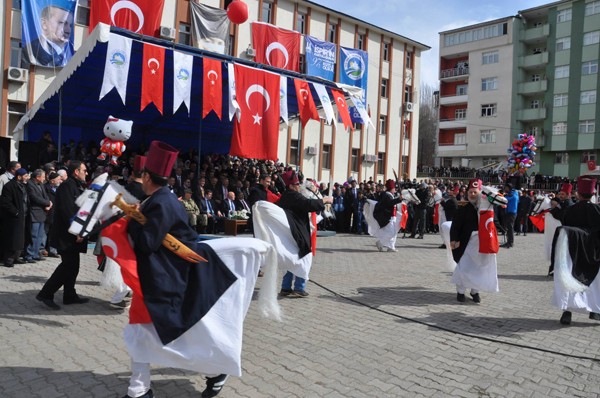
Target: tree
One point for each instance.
(428, 123)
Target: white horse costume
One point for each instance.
(542, 204)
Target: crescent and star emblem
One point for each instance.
(489, 220)
(257, 88)
(276, 46)
(106, 242)
(305, 96)
(153, 61)
(127, 5)
(341, 101)
(212, 72)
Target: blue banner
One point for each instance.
(353, 72)
(320, 58)
(47, 31)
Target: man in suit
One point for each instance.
(51, 186)
(53, 47)
(351, 208)
(213, 214)
(16, 233)
(40, 204)
(229, 204)
(241, 204)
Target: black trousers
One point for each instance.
(419, 222)
(509, 224)
(64, 275)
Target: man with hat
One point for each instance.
(135, 185)
(474, 270)
(576, 256)
(510, 214)
(16, 226)
(385, 227)
(562, 201)
(51, 186)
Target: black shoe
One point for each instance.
(595, 316)
(48, 302)
(148, 394)
(75, 300)
(8, 265)
(476, 297)
(565, 319)
(460, 298)
(442, 246)
(53, 255)
(286, 292)
(17, 261)
(300, 293)
(214, 385)
(420, 237)
(411, 237)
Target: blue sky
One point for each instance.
(422, 20)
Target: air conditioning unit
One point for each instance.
(17, 74)
(167, 33)
(311, 150)
(369, 158)
(409, 107)
(250, 51)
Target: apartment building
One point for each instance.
(319, 149)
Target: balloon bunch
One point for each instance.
(521, 154)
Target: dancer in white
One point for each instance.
(382, 218)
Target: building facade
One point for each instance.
(540, 72)
(320, 150)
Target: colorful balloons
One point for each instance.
(521, 154)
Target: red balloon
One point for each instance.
(237, 12)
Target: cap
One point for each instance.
(290, 178)
(187, 190)
(586, 185)
(566, 188)
(161, 159)
(52, 175)
(389, 184)
(475, 183)
(139, 163)
(21, 172)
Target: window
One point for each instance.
(488, 161)
(15, 53)
(591, 38)
(561, 158)
(588, 156)
(384, 87)
(587, 126)
(267, 12)
(460, 139)
(536, 77)
(82, 14)
(561, 72)
(408, 60)
(382, 124)
(589, 67)
(489, 83)
(592, 8)
(16, 110)
(588, 97)
(563, 15)
(490, 57)
(326, 156)
(354, 160)
(561, 99)
(16, 4)
(302, 61)
(488, 110)
(405, 163)
(559, 128)
(386, 51)
(360, 41)
(294, 157)
(332, 34)
(535, 104)
(486, 32)
(534, 130)
(408, 93)
(487, 136)
(185, 34)
(461, 89)
(381, 163)
(230, 44)
(563, 43)
(460, 114)
(301, 23)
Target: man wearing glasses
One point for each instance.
(68, 245)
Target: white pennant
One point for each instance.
(283, 108)
(183, 65)
(116, 66)
(360, 105)
(325, 102)
(234, 107)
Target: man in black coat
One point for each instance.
(50, 187)
(16, 225)
(258, 192)
(420, 211)
(449, 204)
(351, 208)
(39, 205)
(68, 245)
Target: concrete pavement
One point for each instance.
(375, 325)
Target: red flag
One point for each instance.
(539, 220)
(313, 233)
(256, 133)
(212, 89)
(139, 16)
(342, 106)
(404, 212)
(488, 235)
(436, 214)
(153, 76)
(276, 47)
(306, 104)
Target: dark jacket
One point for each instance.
(450, 207)
(16, 218)
(52, 197)
(257, 193)
(559, 211)
(135, 188)
(297, 207)
(66, 194)
(385, 207)
(38, 200)
(464, 223)
(423, 195)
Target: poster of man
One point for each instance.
(48, 31)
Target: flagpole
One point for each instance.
(59, 123)
(198, 165)
(299, 143)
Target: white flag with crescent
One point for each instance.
(326, 103)
(234, 107)
(116, 66)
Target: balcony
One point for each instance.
(454, 73)
(530, 88)
(531, 114)
(536, 34)
(452, 123)
(533, 61)
(452, 149)
(453, 99)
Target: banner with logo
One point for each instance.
(210, 28)
(47, 31)
(320, 58)
(183, 70)
(353, 72)
(276, 47)
(116, 66)
(139, 16)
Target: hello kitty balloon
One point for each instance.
(117, 131)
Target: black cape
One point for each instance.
(296, 208)
(385, 208)
(465, 221)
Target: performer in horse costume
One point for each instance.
(382, 217)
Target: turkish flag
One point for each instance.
(488, 235)
(342, 106)
(539, 220)
(212, 88)
(436, 214)
(404, 213)
(153, 76)
(139, 16)
(256, 133)
(306, 104)
(276, 47)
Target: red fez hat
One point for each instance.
(475, 183)
(566, 188)
(161, 158)
(290, 177)
(586, 185)
(139, 163)
(389, 184)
